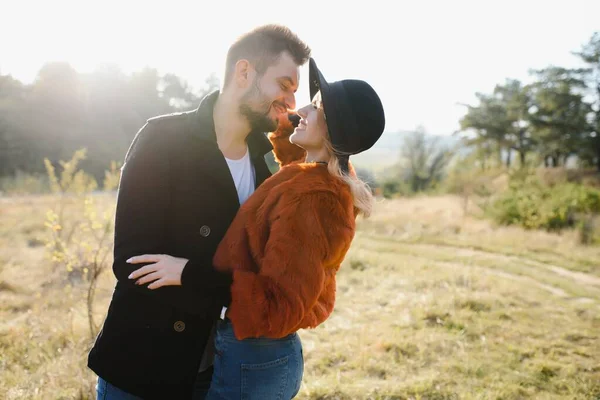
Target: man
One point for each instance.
(183, 180)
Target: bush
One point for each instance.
(390, 188)
(533, 205)
(588, 229)
(80, 245)
(394, 187)
(22, 183)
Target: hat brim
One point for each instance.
(316, 79)
(332, 98)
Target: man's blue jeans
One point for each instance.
(106, 391)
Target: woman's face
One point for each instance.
(311, 133)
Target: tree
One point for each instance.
(425, 161)
(559, 116)
(11, 97)
(500, 122)
(517, 101)
(10, 87)
(590, 54)
(489, 121)
(181, 96)
(177, 92)
(63, 111)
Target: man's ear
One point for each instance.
(244, 73)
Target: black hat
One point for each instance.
(353, 112)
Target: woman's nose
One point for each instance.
(303, 112)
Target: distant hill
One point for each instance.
(386, 152)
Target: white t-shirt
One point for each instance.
(244, 178)
(243, 175)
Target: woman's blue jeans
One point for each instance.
(255, 368)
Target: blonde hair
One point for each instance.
(361, 192)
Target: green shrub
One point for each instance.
(533, 205)
(391, 188)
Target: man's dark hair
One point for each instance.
(263, 46)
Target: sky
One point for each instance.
(424, 58)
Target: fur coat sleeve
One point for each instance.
(285, 151)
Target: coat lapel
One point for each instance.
(262, 171)
(259, 145)
(212, 164)
(210, 161)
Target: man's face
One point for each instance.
(271, 94)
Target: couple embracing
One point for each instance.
(218, 261)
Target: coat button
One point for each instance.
(205, 231)
(179, 326)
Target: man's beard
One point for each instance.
(257, 116)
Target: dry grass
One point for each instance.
(432, 304)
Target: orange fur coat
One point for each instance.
(285, 246)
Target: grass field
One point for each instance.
(432, 304)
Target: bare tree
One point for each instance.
(424, 159)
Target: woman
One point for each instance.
(288, 241)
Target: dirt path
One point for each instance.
(581, 278)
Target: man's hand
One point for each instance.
(166, 270)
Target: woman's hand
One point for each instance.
(166, 270)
